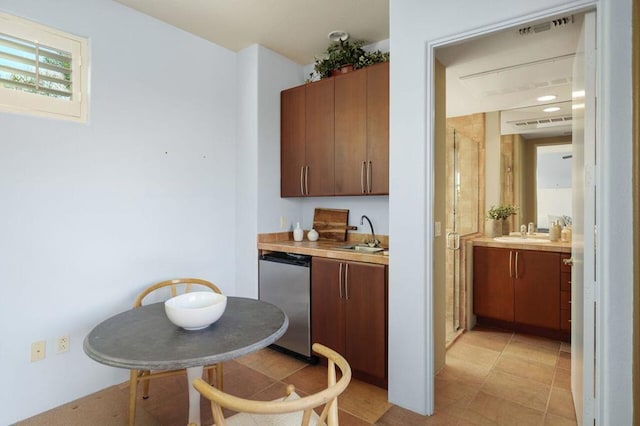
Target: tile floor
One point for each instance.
(491, 377)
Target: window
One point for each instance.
(42, 71)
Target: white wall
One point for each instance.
(413, 25)
(262, 74)
(92, 213)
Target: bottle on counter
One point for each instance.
(298, 233)
(565, 234)
(554, 231)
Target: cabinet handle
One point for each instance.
(362, 177)
(306, 179)
(569, 301)
(340, 281)
(510, 263)
(369, 177)
(302, 180)
(346, 281)
(517, 263)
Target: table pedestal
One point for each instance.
(194, 396)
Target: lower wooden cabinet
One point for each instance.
(520, 289)
(349, 314)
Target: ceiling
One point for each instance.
(505, 71)
(296, 29)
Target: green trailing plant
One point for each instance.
(502, 211)
(343, 53)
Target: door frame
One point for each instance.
(635, 70)
(431, 46)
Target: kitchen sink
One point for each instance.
(361, 247)
(521, 240)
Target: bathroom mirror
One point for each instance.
(536, 176)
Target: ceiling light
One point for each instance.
(546, 98)
(577, 106)
(551, 109)
(336, 36)
(578, 94)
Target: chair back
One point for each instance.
(176, 286)
(327, 397)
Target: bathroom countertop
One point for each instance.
(554, 246)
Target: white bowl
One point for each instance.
(195, 310)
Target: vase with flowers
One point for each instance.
(498, 216)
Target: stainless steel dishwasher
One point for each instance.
(285, 281)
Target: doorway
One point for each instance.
(530, 126)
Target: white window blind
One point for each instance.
(41, 70)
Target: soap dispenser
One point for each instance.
(298, 233)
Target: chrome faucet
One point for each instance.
(373, 242)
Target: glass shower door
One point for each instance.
(462, 216)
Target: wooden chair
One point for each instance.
(137, 376)
(281, 407)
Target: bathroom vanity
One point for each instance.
(523, 286)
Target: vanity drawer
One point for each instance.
(564, 267)
(565, 300)
(565, 281)
(565, 319)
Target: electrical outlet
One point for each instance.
(38, 350)
(283, 222)
(62, 344)
(437, 229)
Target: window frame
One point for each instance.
(18, 101)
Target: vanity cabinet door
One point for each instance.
(537, 288)
(493, 283)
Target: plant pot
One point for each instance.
(494, 228)
(342, 70)
(505, 227)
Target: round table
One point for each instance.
(144, 339)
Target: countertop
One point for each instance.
(554, 246)
(326, 249)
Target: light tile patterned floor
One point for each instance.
(491, 377)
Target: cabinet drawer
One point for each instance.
(565, 319)
(565, 300)
(565, 281)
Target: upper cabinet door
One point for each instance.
(351, 133)
(319, 175)
(378, 128)
(292, 141)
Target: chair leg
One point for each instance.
(145, 385)
(133, 386)
(210, 375)
(219, 379)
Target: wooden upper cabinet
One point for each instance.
(351, 133)
(319, 147)
(292, 141)
(335, 135)
(378, 128)
(362, 131)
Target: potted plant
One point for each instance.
(344, 56)
(499, 215)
